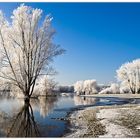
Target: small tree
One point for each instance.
(26, 48)
(45, 86)
(113, 89)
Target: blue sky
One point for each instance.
(98, 37)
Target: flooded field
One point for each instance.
(46, 117)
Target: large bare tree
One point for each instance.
(26, 48)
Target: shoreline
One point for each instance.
(128, 95)
(104, 122)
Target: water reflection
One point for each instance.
(17, 119)
(46, 105)
(84, 100)
(23, 124)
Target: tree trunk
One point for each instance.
(27, 99)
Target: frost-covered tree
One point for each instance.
(78, 87)
(114, 88)
(129, 74)
(26, 48)
(85, 87)
(124, 87)
(90, 87)
(44, 86)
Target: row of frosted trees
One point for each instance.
(85, 87)
(128, 76)
(89, 87)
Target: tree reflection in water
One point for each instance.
(23, 124)
(47, 105)
(84, 100)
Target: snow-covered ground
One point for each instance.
(128, 95)
(113, 130)
(106, 122)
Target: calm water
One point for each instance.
(41, 118)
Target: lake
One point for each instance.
(46, 117)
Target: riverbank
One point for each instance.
(120, 121)
(128, 95)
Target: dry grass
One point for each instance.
(130, 120)
(127, 118)
(94, 127)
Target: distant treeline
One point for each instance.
(65, 89)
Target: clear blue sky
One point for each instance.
(98, 37)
